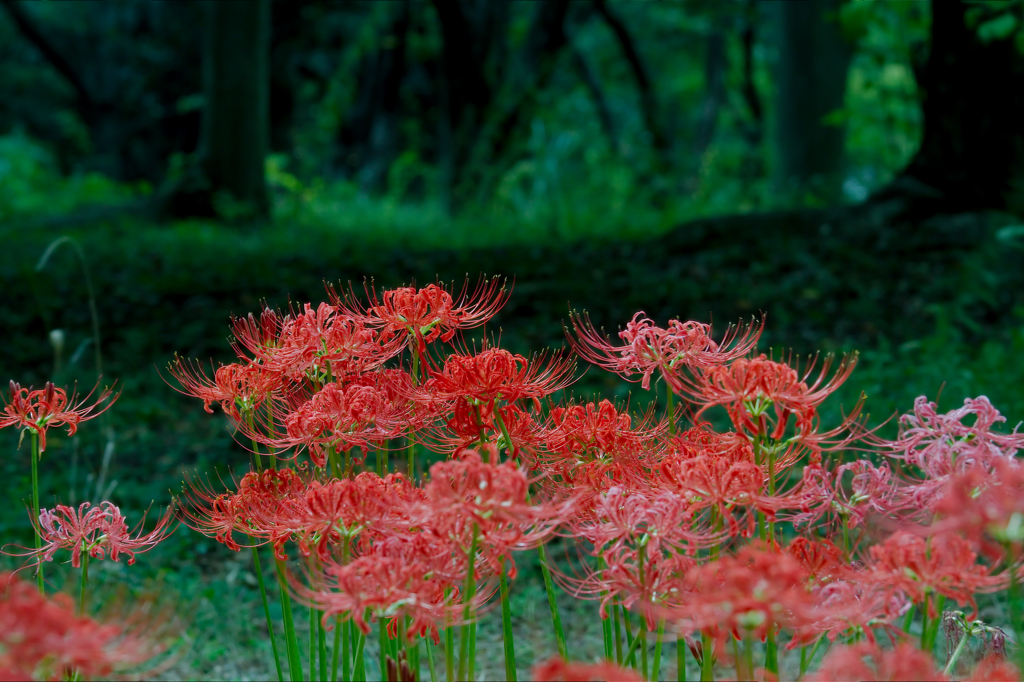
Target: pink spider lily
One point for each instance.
(648, 347)
(38, 410)
(99, 532)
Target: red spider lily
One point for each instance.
(986, 506)
(325, 340)
(343, 509)
(648, 347)
(941, 446)
(234, 387)
(38, 410)
(868, 661)
(848, 607)
(751, 592)
(429, 313)
(722, 483)
(942, 564)
(341, 416)
(257, 338)
(251, 510)
(496, 374)
(99, 531)
(646, 578)
(557, 670)
(397, 576)
(42, 638)
(577, 430)
(822, 560)
(466, 496)
(995, 669)
(761, 394)
(470, 424)
(617, 519)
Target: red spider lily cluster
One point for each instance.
(43, 639)
(399, 469)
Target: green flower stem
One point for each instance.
(471, 675)
(933, 629)
(707, 658)
(643, 647)
(656, 668)
(748, 652)
(908, 619)
(771, 654)
(951, 665)
(35, 505)
(556, 618)
(1016, 615)
(360, 668)
(924, 622)
(805, 663)
(85, 579)
(292, 643)
(506, 626)
(430, 659)
(606, 635)
(411, 466)
(681, 659)
(618, 633)
(322, 636)
(266, 612)
(449, 641)
(385, 649)
(631, 652)
(312, 642)
(340, 647)
(630, 657)
(464, 651)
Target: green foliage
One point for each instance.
(31, 184)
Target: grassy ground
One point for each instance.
(162, 289)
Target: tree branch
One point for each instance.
(53, 56)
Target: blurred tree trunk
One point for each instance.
(972, 151)
(226, 177)
(236, 134)
(810, 83)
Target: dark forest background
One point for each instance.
(852, 169)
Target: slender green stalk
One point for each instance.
(322, 636)
(340, 644)
(924, 622)
(606, 635)
(933, 629)
(449, 641)
(740, 660)
(85, 579)
(430, 659)
(656, 668)
(771, 654)
(266, 612)
(707, 658)
(411, 466)
(748, 652)
(385, 648)
(681, 659)
(467, 612)
(618, 633)
(908, 619)
(643, 647)
(951, 665)
(506, 626)
(556, 618)
(630, 657)
(631, 652)
(806, 662)
(292, 643)
(35, 506)
(360, 668)
(471, 674)
(312, 643)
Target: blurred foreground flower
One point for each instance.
(42, 638)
